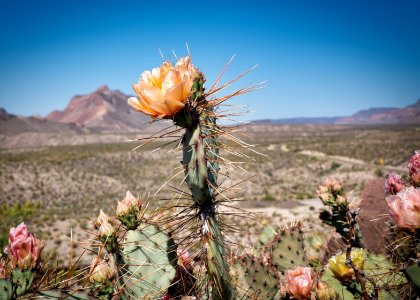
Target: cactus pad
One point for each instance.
(147, 261)
(255, 277)
(287, 248)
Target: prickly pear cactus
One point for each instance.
(255, 277)
(147, 261)
(287, 249)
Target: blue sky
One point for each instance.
(321, 58)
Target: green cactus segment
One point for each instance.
(344, 292)
(413, 274)
(287, 248)
(147, 260)
(215, 261)
(383, 272)
(6, 289)
(195, 166)
(200, 160)
(255, 278)
(22, 280)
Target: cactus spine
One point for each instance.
(200, 159)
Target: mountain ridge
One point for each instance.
(104, 109)
(371, 116)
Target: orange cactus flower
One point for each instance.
(164, 91)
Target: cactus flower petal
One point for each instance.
(23, 248)
(164, 91)
(404, 208)
(299, 282)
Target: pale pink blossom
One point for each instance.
(299, 282)
(404, 208)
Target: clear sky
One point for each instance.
(321, 58)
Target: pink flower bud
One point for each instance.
(100, 271)
(299, 282)
(404, 208)
(129, 203)
(122, 208)
(104, 224)
(414, 169)
(183, 258)
(102, 218)
(23, 248)
(130, 200)
(394, 184)
(106, 229)
(167, 297)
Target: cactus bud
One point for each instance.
(414, 169)
(100, 272)
(184, 258)
(394, 184)
(122, 209)
(341, 269)
(324, 292)
(3, 270)
(102, 218)
(341, 200)
(106, 231)
(128, 211)
(166, 297)
(299, 282)
(23, 248)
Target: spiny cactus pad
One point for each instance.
(255, 277)
(287, 249)
(6, 289)
(147, 260)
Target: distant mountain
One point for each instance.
(383, 115)
(294, 121)
(12, 124)
(104, 109)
